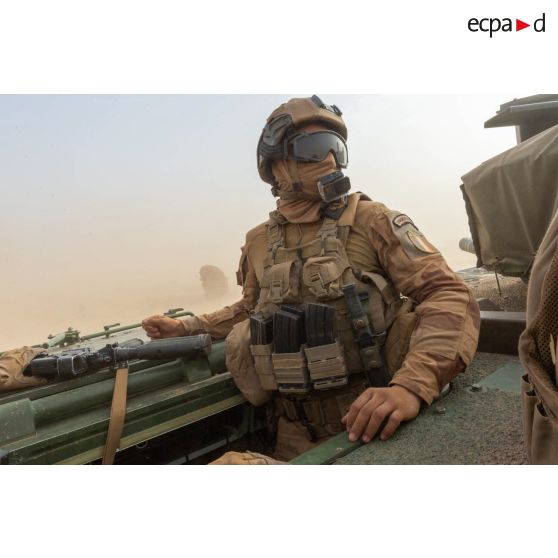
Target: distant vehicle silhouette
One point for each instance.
(213, 281)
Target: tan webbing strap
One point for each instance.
(382, 285)
(376, 310)
(117, 415)
(275, 236)
(343, 234)
(280, 281)
(328, 228)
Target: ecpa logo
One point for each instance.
(494, 24)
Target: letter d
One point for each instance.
(542, 22)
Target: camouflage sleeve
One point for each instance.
(219, 323)
(446, 335)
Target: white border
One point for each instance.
(249, 46)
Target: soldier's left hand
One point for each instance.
(393, 405)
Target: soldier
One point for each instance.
(319, 240)
(537, 350)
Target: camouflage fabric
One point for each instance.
(542, 262)
(219, 323)
(537, 350)
(12, 365)
(386, 242)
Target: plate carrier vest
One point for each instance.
(315, 272)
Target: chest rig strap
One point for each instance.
(328, 230)
(275, 235)
(277, 277)
(275, 229)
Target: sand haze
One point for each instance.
(111, 204)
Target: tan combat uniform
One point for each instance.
(537, 350)
(384, 242)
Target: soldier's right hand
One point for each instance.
(161, 327)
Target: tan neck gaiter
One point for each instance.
(306, 205)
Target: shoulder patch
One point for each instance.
(402, 219)
(420, 243)
(414, 243)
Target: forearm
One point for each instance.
(443, 343)
(219, 323)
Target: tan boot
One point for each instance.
(246, 458)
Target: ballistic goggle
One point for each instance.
(307, 147)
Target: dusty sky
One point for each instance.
(110, 204)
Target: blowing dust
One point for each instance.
(112, 204)
(89, 303)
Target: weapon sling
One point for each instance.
(117, 415)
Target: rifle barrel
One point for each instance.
(177, 347)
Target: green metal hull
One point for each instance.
(67, 421)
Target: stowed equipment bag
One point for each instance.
(12, 365)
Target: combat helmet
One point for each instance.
(280, 138)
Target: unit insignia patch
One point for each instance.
(420, 243)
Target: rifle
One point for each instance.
(75, 362)
(367, 340)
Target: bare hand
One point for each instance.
(375, 405)
(160, 327)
